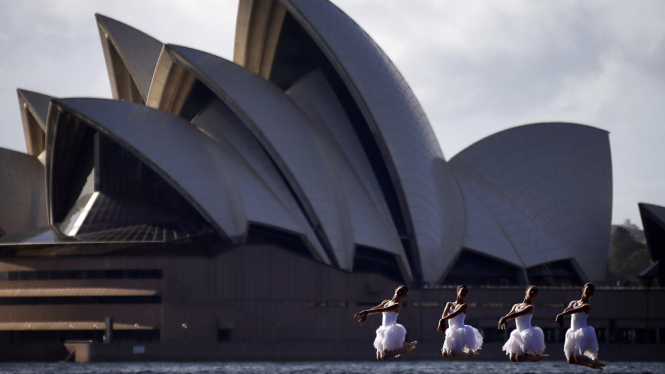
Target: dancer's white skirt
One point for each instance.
(462, 340)
(529, 341)
(389, 338)
(581, 342)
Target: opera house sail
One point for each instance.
(305, 162)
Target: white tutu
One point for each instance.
(462, 339)
(581, 342)
(389, 338)
(528, 341)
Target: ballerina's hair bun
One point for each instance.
(462, 286)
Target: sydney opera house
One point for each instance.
(231, 201)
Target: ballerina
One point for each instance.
(390, 336)
(462, 341)
(581, 346)
(526, 343)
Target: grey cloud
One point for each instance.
(477, 68)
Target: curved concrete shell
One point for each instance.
(370, 217)
(653, 221)
(265, 195)
(131, 57)
(22, 193)
(539, 193)
(184, 157)
(314, 142)
(429, 212)
(283, 131)
(34, 108)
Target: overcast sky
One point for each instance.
(476, 67)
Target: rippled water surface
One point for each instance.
(395, 367)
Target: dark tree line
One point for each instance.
(627, 259)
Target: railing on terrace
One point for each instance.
(503, 287)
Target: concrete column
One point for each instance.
(108, 335)
(657, 336)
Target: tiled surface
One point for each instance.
(38, 105)
(22, 193)
(548, 187)
(483, 233)
(138, 50)
(266, 197)
(530, 195)
(401, 127)
(370, 219)
(261, 205)
(192, 162)
(282, 129)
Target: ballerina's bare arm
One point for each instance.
(441, 327)
(380, 309)
(363, 312)
(386, 308)
(384, 302)
(570, 305)
(586, 308)
(514, 314)
(503, 321)
(461, 308)
(445, 310)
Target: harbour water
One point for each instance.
(340, 367)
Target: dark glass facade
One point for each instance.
(472, 268)
(73, 162)
(198, 98)
(557, 273)
(259, 234)
(370, 260)
(132, 203)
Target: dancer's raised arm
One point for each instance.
(526, 343)
(390, 336)
(573, 307)
(462, 341)
(581, 345)
(503, 322)
(385, 306)
(363, 313)
(460, 308)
